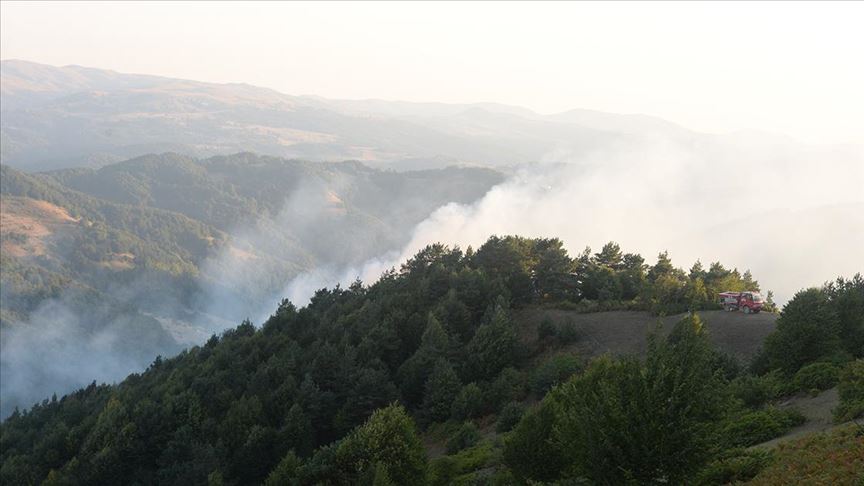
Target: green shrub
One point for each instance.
(807, 330)
(468, 403)
(389, 437)
(733, 466)
(567, 332)
(442, 471)
(528, 450)
(671, 402)
(820, 376)
(458, 468)
(475, 457)
(851, 391)
(753, 391)
(546, 329)
(465, 437)
(508, 386)
(726, 364)
(562, 333)
(285, 472)
(753, 428)
(556, 369)
(509, 417)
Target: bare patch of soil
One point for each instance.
(818, 411)
(27, 223)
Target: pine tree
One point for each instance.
(493, 346)
(610, 256)
(441, 389)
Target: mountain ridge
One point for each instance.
(60, 117)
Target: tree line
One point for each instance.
(335, 392)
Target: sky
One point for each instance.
(790, 68)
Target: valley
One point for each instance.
(170, 239)
(431, 243)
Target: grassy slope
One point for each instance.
(836, 457)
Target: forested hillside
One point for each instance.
(162, 217)
(365, 383)
(111, 267)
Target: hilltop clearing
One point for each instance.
(625, 332)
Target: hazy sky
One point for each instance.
(793, 68)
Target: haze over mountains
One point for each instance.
(182, 207)
(60, 117)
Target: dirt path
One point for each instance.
(817, 410)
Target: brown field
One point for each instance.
(27, 223)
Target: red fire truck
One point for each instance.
(749, 302)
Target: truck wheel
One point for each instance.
(746, 310)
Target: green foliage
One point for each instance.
(816, 376)
(147, 228)
(493, 346)
(441, 390)
(529, 450)
(628, 421)
(510, 415)
(561, 333)
(286, 471)
(567, 332)
(308, 379)
(696, 295)
(755, 427)
(824, 324)
(466, 436)
(388, 438)
(754, 391)
(807, 330)
(847, 299)
(442, 471)
(508, 386)
(468, 403)
(851, 391)
(769, 305)
(556, 369)
(458, 468)
(546, 329)
(734, 466)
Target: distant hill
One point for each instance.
(71, 116)
(168, 249)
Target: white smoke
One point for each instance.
(60, 348)
(792, 214)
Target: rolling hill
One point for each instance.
(166, 249)
(61, 117)
(461, 340)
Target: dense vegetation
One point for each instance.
(164, 240)
(438, 336)
(173, 212)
